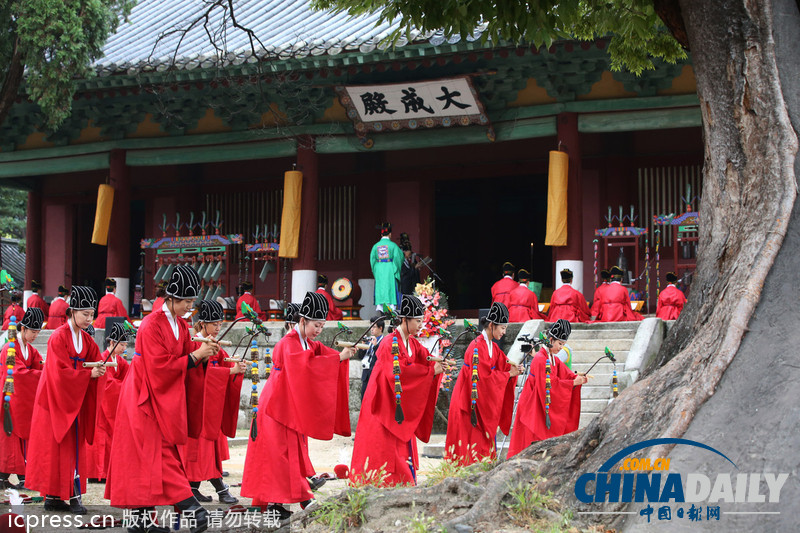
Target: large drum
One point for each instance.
(343, 289)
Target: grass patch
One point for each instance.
(531, 508)
(423, 524)
(343, 514)
(449, 468)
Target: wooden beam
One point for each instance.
(35, 167)
(640, 120)
(211, 154)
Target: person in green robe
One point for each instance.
(386, 260)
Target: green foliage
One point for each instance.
(637, 33)
(13, 219)
(57, 41)
(421, 523)
(450, 468)
(530, 508)
(343, 513)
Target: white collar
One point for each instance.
(488, 342)
(509, 277)
(23, 349)
(567, 283)
(172, 322)
(77, 340)
(617, 282)
(670, 284)
(406, 340)
(303, 340)
(248, 292)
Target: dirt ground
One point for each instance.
(325, 455)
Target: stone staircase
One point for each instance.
(588, 343)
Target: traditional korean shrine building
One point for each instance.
(446, 138)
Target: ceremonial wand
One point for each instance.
(606, 354)
(388, 313)
(468, 328)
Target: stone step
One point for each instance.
(615, 345)
(593, 405)
(593, 355)
(586, 418)
(603, 367)
(595, 392)
(595, 326)
(582, 334)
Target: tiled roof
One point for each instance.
(286, 28)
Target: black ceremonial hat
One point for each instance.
(292, 313)
(117, 333)
(247, 285)
(90, 330)
(33, 319)
(210, 311)
(35, 285)
(62, 290)
(386, 228)
(616, 271)
(315, 306)
(605, 274)
(671, 277)
(498, 314)
(560, 330)
(523, 274)
(508, 267)
(566, 275)
(184, 283)
(411, 307)
(322, 279)
(81, 298)
(111, 283)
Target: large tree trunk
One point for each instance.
(749, 192)
(11, 83)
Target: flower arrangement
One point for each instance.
(436, 319)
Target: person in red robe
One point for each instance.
(26, 373)
(522, 302)
(567, 303)
(671, 300)
(615, 305)
(34, 300)
(307, 395)
(385, 449)
(153, 418)
(605, 276)
(110, 305)
(334, 313)
(537, 417)
(471, 428)
(503, 287)
(15, 310)
(249, 299)
(58, 309)
(108, 385)
(65, 407)
(213, 393)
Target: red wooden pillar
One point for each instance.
(304, 271)
(33, 241)
(571, 255)
(118, 255)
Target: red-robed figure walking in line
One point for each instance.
(152, 419)
(65, 407)
(543, 412)
(503, 287)
(34, 300)
(26, 373)
(108, 387)
(471, 428)
(58, 309)
(616, 303)
(248, 298)
(109, 305)
(597, 301)
(398, 405)
(214, 396)
(307, 395)
(671, 300)
(567, 303)
(522, 302)
(334, 313)
(15, 310)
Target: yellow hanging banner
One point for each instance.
(557, 199)
(102, 216)
(290, 219)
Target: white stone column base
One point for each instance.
(303, 281)
(577, 273)
(123, 292)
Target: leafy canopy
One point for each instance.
(13, 205)
(57, 41)
(637, 33)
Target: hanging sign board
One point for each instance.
(413, 105)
